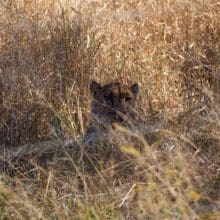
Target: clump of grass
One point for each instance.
(50, 51)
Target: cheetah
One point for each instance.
(112, 104)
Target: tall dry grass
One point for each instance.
(50, 51)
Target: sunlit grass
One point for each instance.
(166, 166)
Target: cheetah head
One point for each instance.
(113, 102)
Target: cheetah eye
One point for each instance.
(127, 99)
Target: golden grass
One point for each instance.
(51, 50)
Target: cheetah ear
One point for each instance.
(95, 87)
(135, 89)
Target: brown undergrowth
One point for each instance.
(166, 166)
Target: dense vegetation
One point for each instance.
(50, 51)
